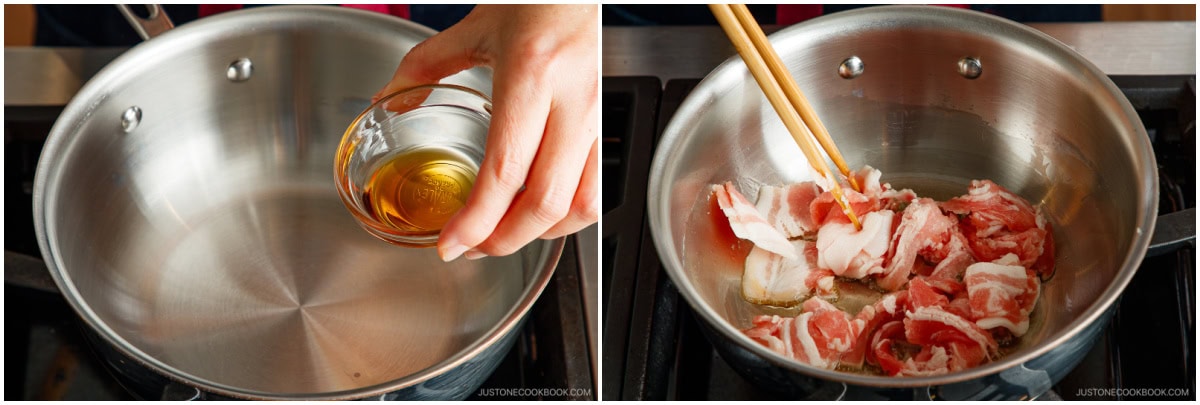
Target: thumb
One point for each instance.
(446, 53)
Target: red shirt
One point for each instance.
(398, 10)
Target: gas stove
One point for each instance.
(654, 348)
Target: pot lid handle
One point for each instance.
(156, 23)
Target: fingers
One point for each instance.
(534, 180)
(519, 118)
(451, 51)
(584, 208)
(552, 183)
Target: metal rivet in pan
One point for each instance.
(970, 67)
(131, 118)
(850, 68)
(240, 70)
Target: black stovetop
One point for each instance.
(47, 356)
(654, 348)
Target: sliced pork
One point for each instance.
(825, 209)
(1002, 294)
(825, 335)
(924, 231)
(958, 279)
(889, 199)
(786, 208)
(774, 332)
(748, 224)
(855, 253)
(870, 318)
(999, 223)
(819, 336)
(771, 279)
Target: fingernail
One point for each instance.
(453, 252)
(474, 255)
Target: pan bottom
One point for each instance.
(282, 292)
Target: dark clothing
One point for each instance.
(104, 26)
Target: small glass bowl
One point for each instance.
(408, 162)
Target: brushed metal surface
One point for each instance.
(1124, 48)
(209, 243)
(1040, 120)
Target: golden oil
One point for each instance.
(419, 190)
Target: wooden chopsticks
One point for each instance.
(781, 90)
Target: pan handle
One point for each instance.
(150, 27)
(1172, 231)
(27, 271)
(174, 391)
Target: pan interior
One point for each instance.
(279, 290)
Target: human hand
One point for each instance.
(543, 129)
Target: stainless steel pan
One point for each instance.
(944, 96)
(184, 206)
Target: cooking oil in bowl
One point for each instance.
(408, 163)
(420, 189)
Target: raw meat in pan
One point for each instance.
(924, 231)
(819, 336)
(869, 319)
(786, 208)
(999, 222)
(963, 275)
(1002, 294)
(748, 224)
(771, 279)
(854, 253)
